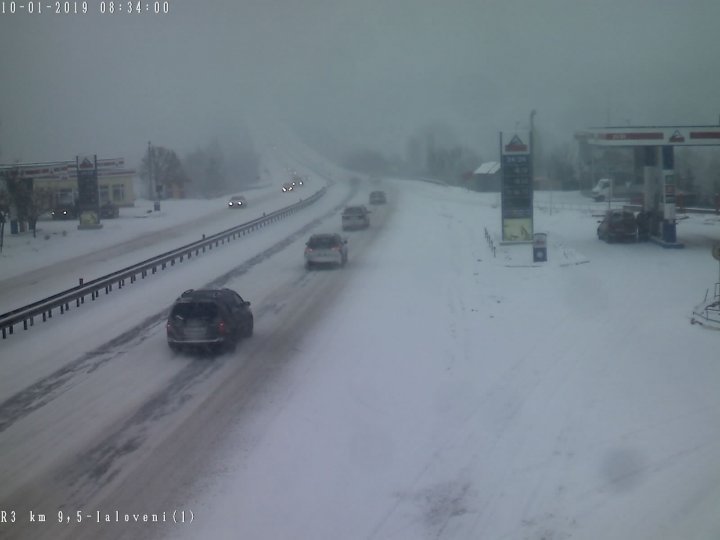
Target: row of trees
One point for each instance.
(205, 171)
(434, 152)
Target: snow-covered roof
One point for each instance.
(489, 167)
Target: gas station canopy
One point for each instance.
(651, 136)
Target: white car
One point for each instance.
(325, 249)
(355, 217)
(237, 201)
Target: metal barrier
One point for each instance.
(43, 309)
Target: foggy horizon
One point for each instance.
(346, 75)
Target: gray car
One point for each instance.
(355, 217)
(325, 249)
(209, 319)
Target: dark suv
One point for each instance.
(618, 225)
(210, 319)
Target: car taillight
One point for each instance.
(221, 327)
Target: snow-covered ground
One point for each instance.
(444, 392)
(453, 394)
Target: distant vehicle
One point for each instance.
(325, 249)
(287, 187)
(209, 319)
(64, 211)
(355, 217)
(378, 197)
(618, 225)
(109, 211)
(606, 189)
(237, 201)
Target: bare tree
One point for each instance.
(162, 168)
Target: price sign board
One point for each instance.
(517, 188)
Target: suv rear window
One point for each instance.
(322, 242)
(354, 211)
(204, 311)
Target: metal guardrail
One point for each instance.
(44, 308)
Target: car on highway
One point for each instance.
(325, 249)
(209, 319)
(287, 187)
(237, 201)
(355, 217)
(378, 197)
(618, 225)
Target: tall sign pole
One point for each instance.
(517, 187)
(88, 196)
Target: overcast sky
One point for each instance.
(350, 72)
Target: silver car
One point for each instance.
(325, 249)
(355, 217)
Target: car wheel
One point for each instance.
(230, 344)
(174, 347)
(308, 265)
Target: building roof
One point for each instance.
(63, 170)
(489, 167)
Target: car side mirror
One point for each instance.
(247, 303)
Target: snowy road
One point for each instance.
(427, 390)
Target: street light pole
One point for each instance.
(531, 136)
(150, 171)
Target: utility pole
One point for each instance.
(532, 165)
(153, 181)
(150, 171)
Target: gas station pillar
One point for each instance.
(669, 234)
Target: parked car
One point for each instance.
(237, 201)
(325, 249)
(209, 319)
(355, 217)
(64, 211)
(287, 187)
(109, 211)
(618, 225)
(378, 197)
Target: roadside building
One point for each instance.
(115, 181)
(486, 177)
